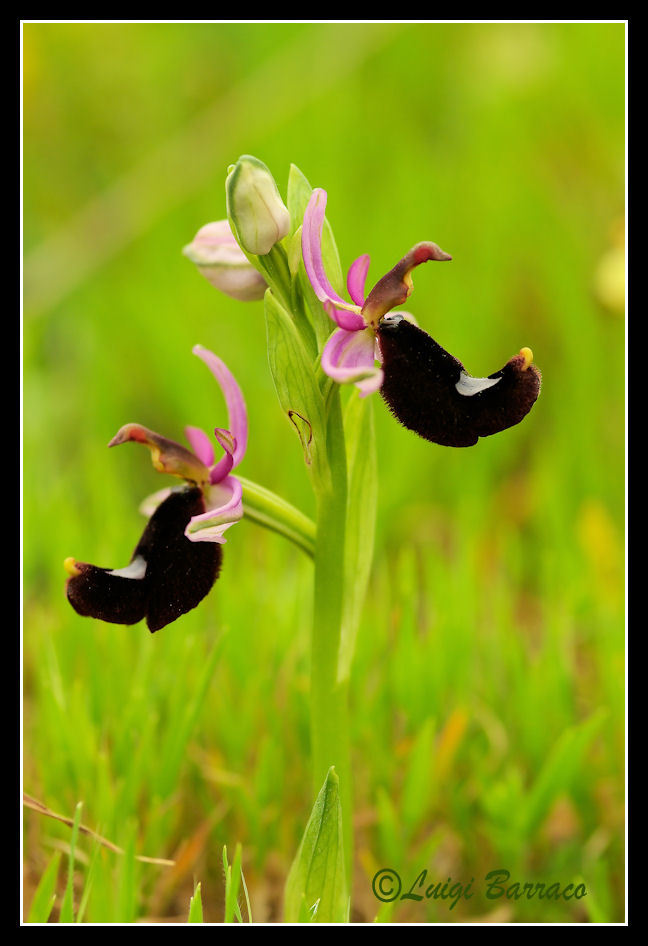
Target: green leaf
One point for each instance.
(389, 828)
(419, 788)
(316, 889)
(362, 498)
(67, 906)
(173, 754)
(195, 907)
(89, 880)
(127, 886)
(44, 897)
(232, 884)
(559, 770)
(303, 312)
(296, 385)
(299, 191)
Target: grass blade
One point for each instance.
(195, 907)
(44, 897)
(67, 906)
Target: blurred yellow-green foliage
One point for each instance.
(488, 690)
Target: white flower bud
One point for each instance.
(222, 262)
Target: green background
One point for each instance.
(488, 688)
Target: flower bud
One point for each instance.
(221, 261)
(257, 213)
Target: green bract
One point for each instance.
(316, 889)
(296, 386)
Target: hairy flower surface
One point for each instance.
(426, 389)
(179, 555)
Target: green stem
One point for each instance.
(276, 272)
(267, 509)
(329, 695)
(329, 689)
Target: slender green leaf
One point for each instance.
(195, 907)
(385, 913)
(233, 875)
(299, 191)
(418, 786)
(247, 898)
(44, 896)
(127, 889)
(89, 880)
(175, 748)
(67, 906)
(316, 889)
(389, 828)
(558, 771)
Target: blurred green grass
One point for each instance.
(488, 693)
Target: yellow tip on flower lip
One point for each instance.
(527, 354)
(71, 567)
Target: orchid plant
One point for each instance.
(317, 343)
(178, 557)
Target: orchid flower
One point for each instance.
(179, 555)
(427, 389)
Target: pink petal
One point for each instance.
(224, 465)
(217, 233)
(238, 424)
(348, 358)
(200, 444)
(225, 508)
(312, 247)
(351, 321)
(356, 278)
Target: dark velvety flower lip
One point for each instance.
(168, 575)
(430, 392)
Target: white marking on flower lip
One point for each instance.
(136, 569)
(469, 386)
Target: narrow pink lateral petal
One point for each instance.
(225, 508)
(238, 423)
(351, 321)
(224, 465)
(200, 444)
(348, 358)
(356, 278)
(312, 247)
